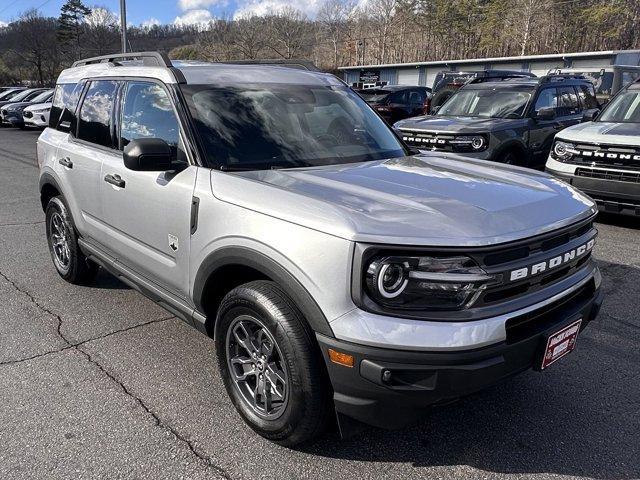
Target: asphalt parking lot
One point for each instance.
(99, 382)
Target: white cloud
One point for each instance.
(3, 24)
(151, 22)
(196, 4)
(194, 17)
(260, 8)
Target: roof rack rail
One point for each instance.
(281, 62)
(557, 77)
(150, 59)
(494, 78)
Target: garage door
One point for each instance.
(541, 68)
(592, 64)
(408, 76)
(431, 75)
(515, 66)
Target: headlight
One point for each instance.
(469, 142)
(425, 282)
(562, 151)
(39, 111)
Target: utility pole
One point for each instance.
(123, 24)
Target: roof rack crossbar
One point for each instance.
(152, 59)
(561, 76)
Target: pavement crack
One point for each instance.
(78, 347)
(158, 421)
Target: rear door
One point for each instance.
(147, 216)
(81, 155)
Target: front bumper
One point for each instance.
(417, 379)
(11, 119)
(604, 185)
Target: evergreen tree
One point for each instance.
(71, 23)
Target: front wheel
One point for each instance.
(270, 364)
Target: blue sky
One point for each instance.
(162, 11)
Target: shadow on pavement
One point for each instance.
(581, 417)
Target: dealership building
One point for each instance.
(424, 73)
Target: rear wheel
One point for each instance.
(510, 157)
(62, 238)
(270, 364)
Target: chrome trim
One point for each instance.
(450, 277)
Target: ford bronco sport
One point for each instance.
(273, 210)
(508, 120)
(602, 156)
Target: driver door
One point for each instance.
(146, 214)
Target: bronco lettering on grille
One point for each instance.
(552, 263)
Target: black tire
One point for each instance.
(305, 414)
(77, 269)
(509, 157)
(442, 96)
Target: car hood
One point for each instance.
(442, 124)
(438, 199)
(603, 132)
(16, 105)
(37, 106)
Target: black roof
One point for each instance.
(528, 81)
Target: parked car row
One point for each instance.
(554, 122)
(25, 107)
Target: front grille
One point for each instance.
(627, 157)
(630, 177)
(523, 255)
(427, 140)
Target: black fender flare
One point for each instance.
(47, 179)
(513, 144)
(260, 262)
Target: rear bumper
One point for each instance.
(416, 380)
(611, 195)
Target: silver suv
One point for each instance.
(276, 212)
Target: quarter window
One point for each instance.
(96, 112)
(66, 95)
(148, 113)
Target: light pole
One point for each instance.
(123, 24)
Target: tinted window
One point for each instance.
(487, 102)
(398, 97)
(147, 113)
(416, 97)
(66, 95)
(624, 108)
(95, 113)
(568, 101)
(9, 94)
(262, 126)
(548, 98)
(587, 96)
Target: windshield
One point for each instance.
(262, 126)
(43, 97)
(624, 108)
(487, 102)
(25, 95)
(11, 94)
(374, 96)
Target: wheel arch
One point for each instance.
(513, 145)
(49, 188)
(228, 267)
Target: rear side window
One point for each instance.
(66, 95)
(96, 112)
(587, 96)
(568, 101)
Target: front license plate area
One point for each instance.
(560, 343)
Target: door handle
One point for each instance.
(66, 162)
(114, 180)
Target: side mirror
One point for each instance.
(148, 155)
(590, 115)
(66, 123)
(546, 113)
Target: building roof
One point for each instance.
(524, 58)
